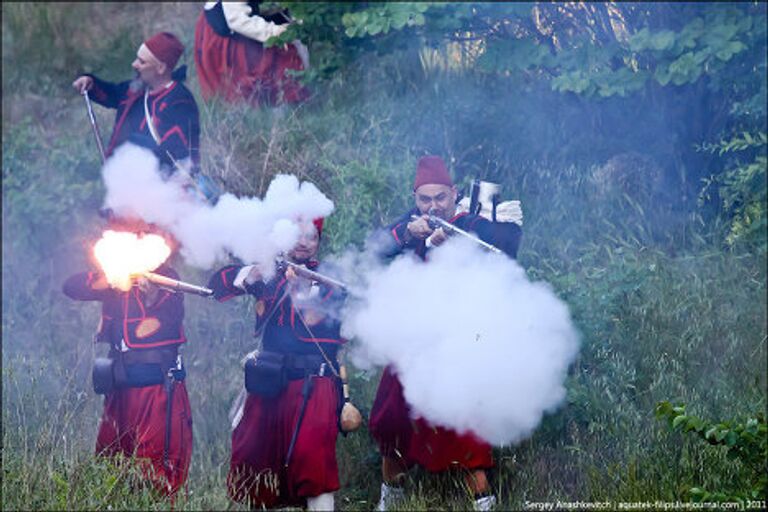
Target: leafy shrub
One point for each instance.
(746, 441)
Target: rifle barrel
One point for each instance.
(311, 274)
(450, 228)
(176, 285)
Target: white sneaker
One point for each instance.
(390, 496)
(321, 502)
(485, 503)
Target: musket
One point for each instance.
(434, 221)
(95, 126)
(176, 285)
(310, 274)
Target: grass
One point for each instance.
(664, 311)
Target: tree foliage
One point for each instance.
(746, 441)
(703, 66)
(742, 187)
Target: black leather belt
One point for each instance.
(165, 357)
(299, 365)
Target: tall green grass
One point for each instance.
(665, 312)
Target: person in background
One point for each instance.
(232, 61)
(284, 434)
(404, 440)
(154, 109)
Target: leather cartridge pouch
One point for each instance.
(108, 374)
(136, 368)
(265, 374)
(102, 376)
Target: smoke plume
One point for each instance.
(476, 345)
(252, 229)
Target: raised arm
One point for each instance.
(87, 286)
(104, 93)
(234, 280)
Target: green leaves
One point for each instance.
(681, 57)
(745, 441)
(647, 40)
(577, 81)
(381, 18)
(742, 186)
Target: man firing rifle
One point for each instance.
(404, 441)
(284, 433)
(146, 407)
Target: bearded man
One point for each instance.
(155, 109)
(405, 440)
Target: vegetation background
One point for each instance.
(633, 134)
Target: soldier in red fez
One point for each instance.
(154, 109)
(404, 440)
(232, 61)
(146, 407)
(284, 433)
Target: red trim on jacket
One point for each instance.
(129, 101)
(394, 234)
(175, 129)
(453, 219)
(157, 344)
(165, 296)
(320, 340)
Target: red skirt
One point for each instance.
(133, 424)
(260, 444)
(416, 441)
(238, 68)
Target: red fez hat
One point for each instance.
(432, 171)
(318, 222)
(166, 47)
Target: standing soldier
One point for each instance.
(404, 441)
(284, 437)
(154, 109)
(146, 407)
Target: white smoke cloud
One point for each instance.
(252, 229)
(476, 345)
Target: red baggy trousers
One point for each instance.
(238, 68)
(133, 423)
(416, 441)
(260, 444)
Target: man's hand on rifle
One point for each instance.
(419, 228)
(148, 288)
(290, 273)
(253, 275)
(82, 84)
(437, 238)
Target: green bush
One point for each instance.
(746, 441)
(664, 312)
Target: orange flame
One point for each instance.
(124, 254)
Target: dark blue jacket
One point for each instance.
(287, 328)
(394, 239)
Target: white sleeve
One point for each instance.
(510, 211)
(239, 281)
(255, 27)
